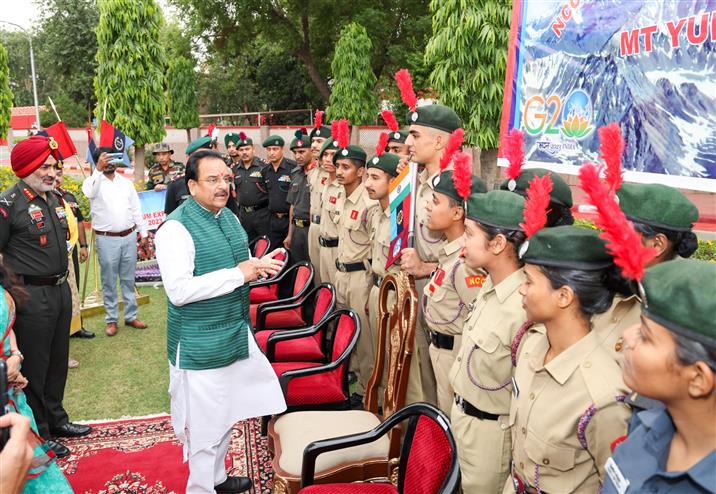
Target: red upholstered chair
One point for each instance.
(428, 458)
(278, 286)
(260, 246)
(321, 385)
(307, 316)
(291, 287)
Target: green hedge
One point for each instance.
(8, 178)
(705, 252)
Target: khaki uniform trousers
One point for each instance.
(482, 471)
(421, 384)
(352, 290)
(442, 360)
(314, 252)
(327, 264)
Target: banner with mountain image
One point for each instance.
(575, 65)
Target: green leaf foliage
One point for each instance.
(131, 68)
(181, 92)
(353, 79)
(73, 113)
(468, 53)
(5, 93)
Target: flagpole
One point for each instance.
(104, 111)
(413, 200)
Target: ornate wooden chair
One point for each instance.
(289, 434)
(428, 458)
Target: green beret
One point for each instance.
(561, 193)
(436, 116)
(680, 296)
(497, 208)
(444, 184)
(329, 144)
(231, 137)
(301, 141)
(322, 131)
(567, 247)
(387, 162)
(398, 136)
(351, 152)
(200, 143)
(274, 140)
(657, 205)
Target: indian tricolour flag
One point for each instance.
(401, 217)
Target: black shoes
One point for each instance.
(83, 333)
(58, 448)
(356, 402)
(352, 378)
(233, 485)
(71, 430)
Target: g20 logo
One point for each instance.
(551, 115)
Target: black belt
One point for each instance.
(54, 280)
(349, 267)
(316, 218)
(280, 215)
(377, 280)
(443, 341)
(470, 410)
(301, 223)
(328, 242)
(123, 233)
(254, 208)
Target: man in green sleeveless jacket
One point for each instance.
(217, 374)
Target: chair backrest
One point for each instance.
(303, 279)
(428, 463)
(396, 331)
(344, 333)
(325, 301)
(260, 246)
(281, 256)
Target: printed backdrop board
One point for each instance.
(575, 65)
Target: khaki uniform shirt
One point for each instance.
(483, 369)
(452, 287)
(609, 325)
(427, 242)
(380, 243)
(330, 199)
(551, 409)
(353, 234)
(317, 179)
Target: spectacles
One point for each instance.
(213, 181)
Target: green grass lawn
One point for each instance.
(125, 375)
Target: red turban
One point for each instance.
(30, 154)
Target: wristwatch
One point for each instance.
(18, 353)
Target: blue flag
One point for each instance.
(114, 138)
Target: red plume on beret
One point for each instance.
(242, 136)
(318, 119)
(382, 143)
(611, 147)
(405, 84)
(343, 135)
(462, 174)
(390, 120)
(623, 242)
(453, 145)
(536, 204)
(334, 130)
(30, 154)
(513, 150)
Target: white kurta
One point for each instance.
(205, 404)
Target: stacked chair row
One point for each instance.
(323, 446)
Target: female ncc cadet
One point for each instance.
(568, 392)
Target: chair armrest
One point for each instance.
(266, 308)
(286, 335)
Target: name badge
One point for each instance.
(616, 476)
(284, 178)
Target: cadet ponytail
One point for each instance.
(592, 287)
(682, 243)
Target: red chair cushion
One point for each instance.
(323, 302)
(278, 320)
(298, 350)
(317, 389)
(260, 247)
(262, 294)
(429, 458)
(366, 488)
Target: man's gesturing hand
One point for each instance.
(264, 267)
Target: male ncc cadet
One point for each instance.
(317, 179)
(250, 187)
(331, 195)
(277, 177)
(299, 198)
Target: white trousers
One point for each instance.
(207, 467)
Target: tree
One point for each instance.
(5, 93)
(468, 53)
(181, 95)
(308, 30)
(74, 114)
(131, 67)
(353, 79)
(18, 51)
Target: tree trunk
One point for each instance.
(314, 74)
(485, 166)
(139, 165)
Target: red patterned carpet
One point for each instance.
(141, 456)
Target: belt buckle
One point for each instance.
(341, 266)
(62, 279)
